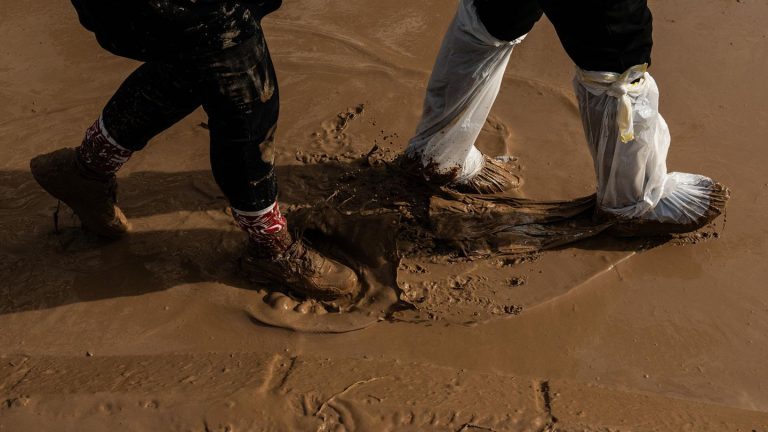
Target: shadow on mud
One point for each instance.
(41, 268)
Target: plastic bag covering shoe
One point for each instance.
(629, 141)
(465, 81)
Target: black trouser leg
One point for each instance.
(598, 35)
(242, 100)
(507, 20)
(601, 35)
(238, 89)
(152, 99)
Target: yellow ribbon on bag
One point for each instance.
(618, 86)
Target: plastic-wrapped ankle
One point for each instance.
(629, 141)
(464, 84)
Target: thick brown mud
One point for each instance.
(365, 244)
(548, 324)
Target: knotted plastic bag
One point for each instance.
(629, 141)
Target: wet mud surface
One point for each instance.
(548, 324)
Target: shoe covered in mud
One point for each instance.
(300, 269)
(491, 179)
(695, 217)
(91, 196)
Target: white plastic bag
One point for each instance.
(629, 140)
(465, 81)
(627, 136)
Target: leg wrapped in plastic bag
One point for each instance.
(629, 140)
(464, 84)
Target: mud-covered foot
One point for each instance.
(492, 178)
(303, 270)
(91, 196)
(718, 199)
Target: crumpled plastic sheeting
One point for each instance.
(487, 225)
(629, 141)
(464, 84)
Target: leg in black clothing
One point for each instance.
(603, 35)
(153, 98)
(508, 20)
(238, 89)
(241, 97)
(598, 35)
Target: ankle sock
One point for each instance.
(100, 153)
(266, 228)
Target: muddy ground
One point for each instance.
(158, 331)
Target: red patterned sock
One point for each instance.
(99, 152)
(266, 228)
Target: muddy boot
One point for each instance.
(300, 269)
(273, 257)
(91, 196)
(491, 179)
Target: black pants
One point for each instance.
(171, 29)
(237, 88)
(598, 35)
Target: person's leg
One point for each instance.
(611, 44)
(508, 20)
(153, 98)
(242, 102)
(241, 96)
(606, 36)
(463, 86)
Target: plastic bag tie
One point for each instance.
(619, 86)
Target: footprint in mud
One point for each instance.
(458, 299)
(332, 143)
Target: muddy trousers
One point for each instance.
(238, 90)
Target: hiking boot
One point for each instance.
(300, 269)
(493, 177)
(90, 195)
